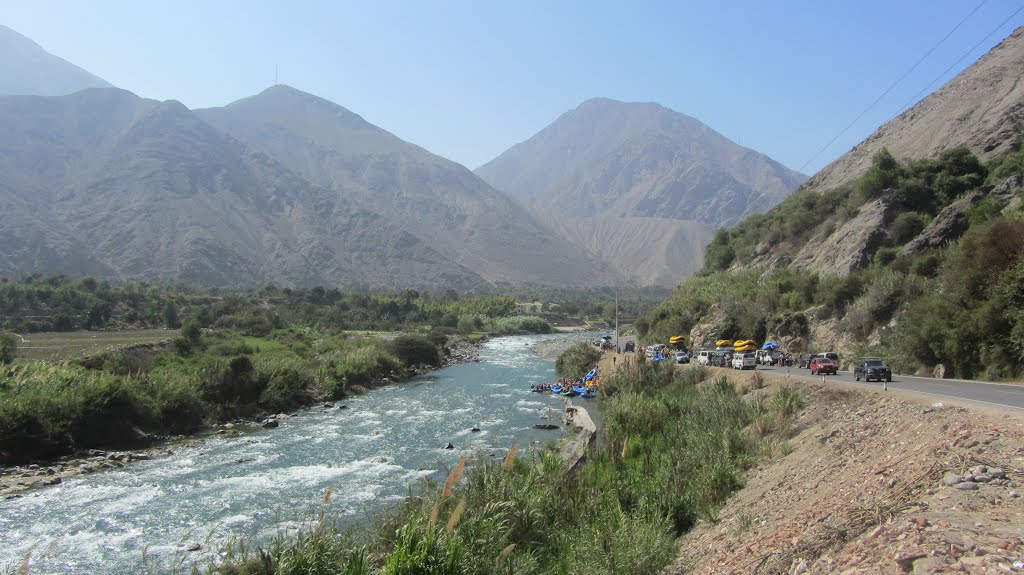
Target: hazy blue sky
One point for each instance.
(467, 80)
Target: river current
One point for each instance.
(145, 517)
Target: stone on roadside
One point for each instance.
(967, 486)
(952, 478)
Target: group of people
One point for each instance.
(565, 383)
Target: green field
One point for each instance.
(59, 346)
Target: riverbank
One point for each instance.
(550, 349)
(44, 472)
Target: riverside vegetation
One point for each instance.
(960, 304)
(240, 355)
(674, 446)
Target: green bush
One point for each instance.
(907, 226)
(286, 383)
(8, 346)
(415, 350)
(883, 174)
(576, 361)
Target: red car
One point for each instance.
(822, 365)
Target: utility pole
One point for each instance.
(616, 321)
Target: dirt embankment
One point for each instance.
(875, 483)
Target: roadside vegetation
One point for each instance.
(960, 305)
(674, 446)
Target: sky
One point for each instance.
(468, 79)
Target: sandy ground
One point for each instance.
(876, 482)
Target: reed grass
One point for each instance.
(674, 447)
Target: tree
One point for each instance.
(191, 332)
(414, 349)
(8, 347)
(170, 315)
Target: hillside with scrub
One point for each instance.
(906, 247)
(918, 262)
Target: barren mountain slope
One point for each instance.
(150, 191)
(609, 159)
(982, 108)
(653, 251)
(436, 200)
(25, 68)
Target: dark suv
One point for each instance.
(872, 368)
(805, 360)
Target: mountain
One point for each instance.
(910, 247)
(644, 174)
(25, 68)
(105, 182)
(981, 108)
(437, 201)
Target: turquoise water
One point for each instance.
(144, 517)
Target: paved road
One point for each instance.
(1001, 394)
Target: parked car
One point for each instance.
(703, 357)
(872, 368)
(805, 360)
(823, 365)
(630, 346)
(829, 355)
(682, 357)
(744, 360)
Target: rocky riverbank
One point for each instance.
(550, 349)
(461, 350)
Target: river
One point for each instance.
(144, 517)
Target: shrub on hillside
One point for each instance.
(906, 226)
(882, 175)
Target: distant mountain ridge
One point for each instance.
(285, 187)
(139, 189)
(106, 183)
(27, 69)
(436, 200)
(614, 166)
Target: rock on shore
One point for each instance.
(550, 349)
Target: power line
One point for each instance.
(946, 71)
(894, 84)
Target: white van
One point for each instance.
(744, 360)
(703, 357)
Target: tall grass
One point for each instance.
(674, 446)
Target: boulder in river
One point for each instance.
(545, 426)
(449, 446)
(475, 430)
(270, 423)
